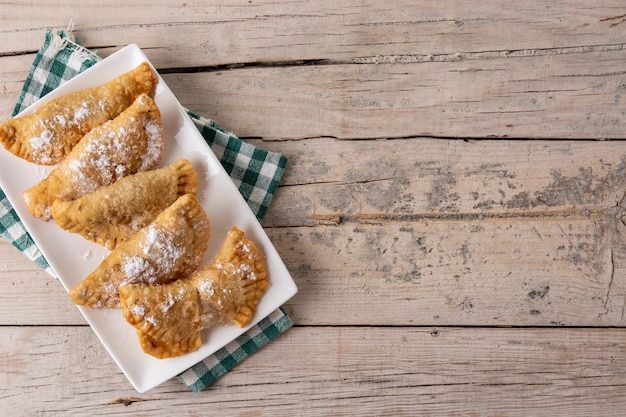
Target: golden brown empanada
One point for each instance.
(168, 318)
(169, 248)
(46, 136)
(112, 213)
(129, 143)
(234, 282)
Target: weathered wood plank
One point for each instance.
(536, 78)
(545, 96)
(269, 31)
(501, 97)
(345, 371)
(28, 295)
(328, 180)
(13, 72)
(429, 236)
(493, 271)
(391, 237)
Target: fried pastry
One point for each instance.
(48, 135)
(129, 143)
(169, 248)
(233, 283)
(112, 213)
(169, 318)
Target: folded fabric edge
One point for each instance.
(79, 59)
(12, 229)
(256, 172)
(206, 372)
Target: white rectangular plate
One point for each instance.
(72, 258)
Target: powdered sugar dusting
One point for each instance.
(150, 315)
(110, 289)
(81, 113)
(43, 140)
(172, 300)
(207, 287)
(246, 269)
(139, 310)
(159, 260)
(134, 266)
(154, 144)
(110, 155)
(41, 146)
(51, 132)
(168, 303)
(60, 120)
(246, 272)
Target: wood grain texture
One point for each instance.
(492, 272)
(43, 299)
(544, 96)
(451, 211)
(197, 33)
(434, 228)
(538, 96)
(345, 371)
(501, 69)
(417, 179)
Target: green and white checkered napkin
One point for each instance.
(256, 173)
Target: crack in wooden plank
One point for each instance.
(482, 55)
(336, 219)
(609, 287)
(616, 20)
(126, 401)
(407, 58)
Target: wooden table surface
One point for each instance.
(452, 211)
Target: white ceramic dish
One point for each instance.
(72, 257)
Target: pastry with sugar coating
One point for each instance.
(130, 143)
(47, 135)
(232, 285)
(169, 248)
(113, 212)
(169, 318)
